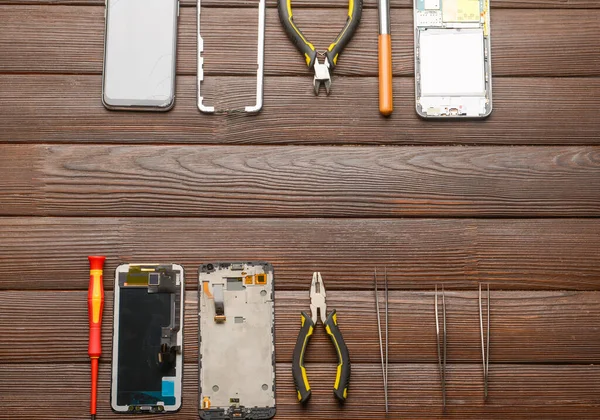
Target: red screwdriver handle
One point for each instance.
(95, 305)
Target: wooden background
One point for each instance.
(312, 183)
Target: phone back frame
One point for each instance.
(236, 341)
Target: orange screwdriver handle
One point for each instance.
(386, 102)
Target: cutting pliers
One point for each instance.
(318, 306)
(322, 71)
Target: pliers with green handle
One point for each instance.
(318, 306)
(322, 71)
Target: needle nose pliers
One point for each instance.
(318, 306)
(322, 71)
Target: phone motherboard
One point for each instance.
(452, 58)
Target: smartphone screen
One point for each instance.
(139, 54)
(140, 377)
(452, 58)
(147, 338)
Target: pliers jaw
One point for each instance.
(317, 298)
(322, 76)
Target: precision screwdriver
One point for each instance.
(95, 306)
(386, 102)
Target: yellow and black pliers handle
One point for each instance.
(305, 47)
(342, 378)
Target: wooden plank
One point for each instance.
(48, 108)
(53, 391)
(69, 39)
(303, 181)
(51, 253)
(526, 327)
(527, 4)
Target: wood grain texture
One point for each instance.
(188, 188)
(50, 108)
(304, 181)
(526, 327)
(69, 39)
(516, 392)
(526, 4)
(51, 253)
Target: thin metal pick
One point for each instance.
(383, 368)
(441, 343)
(485, 343)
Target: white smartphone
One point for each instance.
(453, 68)
(139, 54)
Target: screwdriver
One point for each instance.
(95, 306)
(386, 102)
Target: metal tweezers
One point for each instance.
(441, 342)
(485, 343)
(259, 71)
(384, 362)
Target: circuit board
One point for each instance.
(452, 58)
(237, 349)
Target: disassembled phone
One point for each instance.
(453, 70)
(139, 54)
(147, 361)
(237, 342)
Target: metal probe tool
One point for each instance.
(383, 361)
(95, 306)
(441, 343)
(386, 102)
(386, 339)
(485, 343)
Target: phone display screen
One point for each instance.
(139, 56)
(147, 364)
(139, 374)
